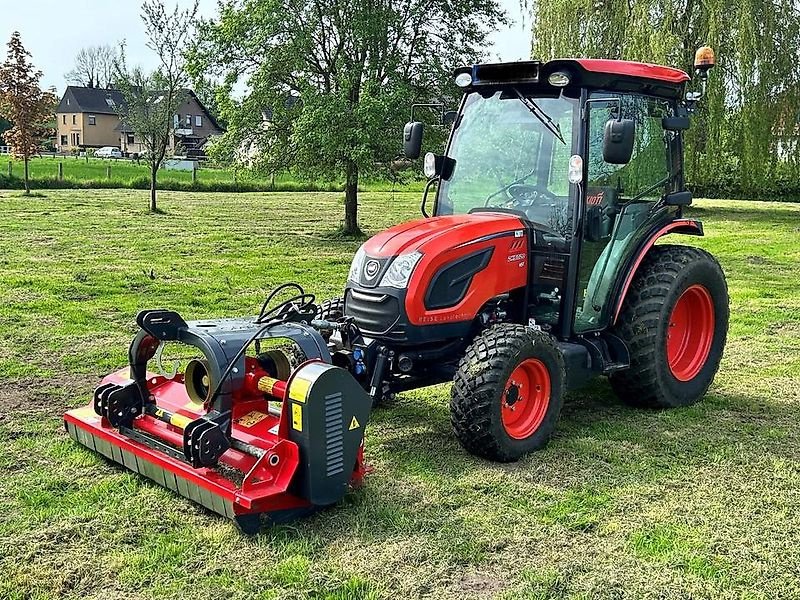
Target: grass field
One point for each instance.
(93, 173)
(702, 502)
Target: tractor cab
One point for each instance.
(587, 153)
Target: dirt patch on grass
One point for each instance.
(480, 585)
(757, 260)
(51, 395)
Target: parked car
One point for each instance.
(108, 152)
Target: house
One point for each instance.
(90, 118)
(87, 117)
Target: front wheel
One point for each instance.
(674, 321)
(507, 392)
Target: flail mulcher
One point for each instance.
(536, 270)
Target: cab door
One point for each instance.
(622, 201)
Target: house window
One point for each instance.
(198, 121)
(73, 119)
(92, 120)
(63, 140)
(76, 139)
(67, 101)
(176, 121)
(64, 119)
(130, 138)
(188, 120)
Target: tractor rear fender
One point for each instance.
(684, 226)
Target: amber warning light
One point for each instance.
(704, 58)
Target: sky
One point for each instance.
(55, 30)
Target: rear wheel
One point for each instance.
(675, 322)
(508, 392)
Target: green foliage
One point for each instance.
(744, 138)
(329, 84)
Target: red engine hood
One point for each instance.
(437, 234)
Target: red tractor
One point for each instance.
(536, 270)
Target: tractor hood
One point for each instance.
(439, 234)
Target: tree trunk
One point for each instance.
(25, 177)
(351, 200)
(153, 174)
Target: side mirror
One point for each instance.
(412, 139)
(678, 199)
(676, 123)
(449, 117)
(618, 138)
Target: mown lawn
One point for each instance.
(702, 502)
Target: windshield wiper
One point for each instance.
(543, 117)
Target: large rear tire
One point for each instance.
(674, 321)
(507, 392)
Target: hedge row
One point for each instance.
(143, 183)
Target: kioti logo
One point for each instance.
(371, 269)
(595, 199)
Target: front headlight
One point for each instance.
(355, 266)
(400, 270)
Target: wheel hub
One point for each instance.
(690, 331)
(526, 398)
(512, 395)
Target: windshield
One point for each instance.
(512, 151)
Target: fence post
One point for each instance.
(108, 172)
(60, 171)
(194, 173)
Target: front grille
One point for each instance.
(374, 313)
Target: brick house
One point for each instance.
(89, 118)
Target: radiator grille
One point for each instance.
(374, 313)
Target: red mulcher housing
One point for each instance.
(537, 271)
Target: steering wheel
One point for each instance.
(524, 194)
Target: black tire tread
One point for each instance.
(331, 309)
(639, 319)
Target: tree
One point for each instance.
(94, 66)
(753, 96)
(336, 78)
(152, 99)
(24, 104)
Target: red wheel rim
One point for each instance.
(526, 398)
(690, 332)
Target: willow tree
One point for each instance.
(745, 137)
(329, 83)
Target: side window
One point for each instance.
(646, 176)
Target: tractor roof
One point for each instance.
(632, 69)
(606, 74)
